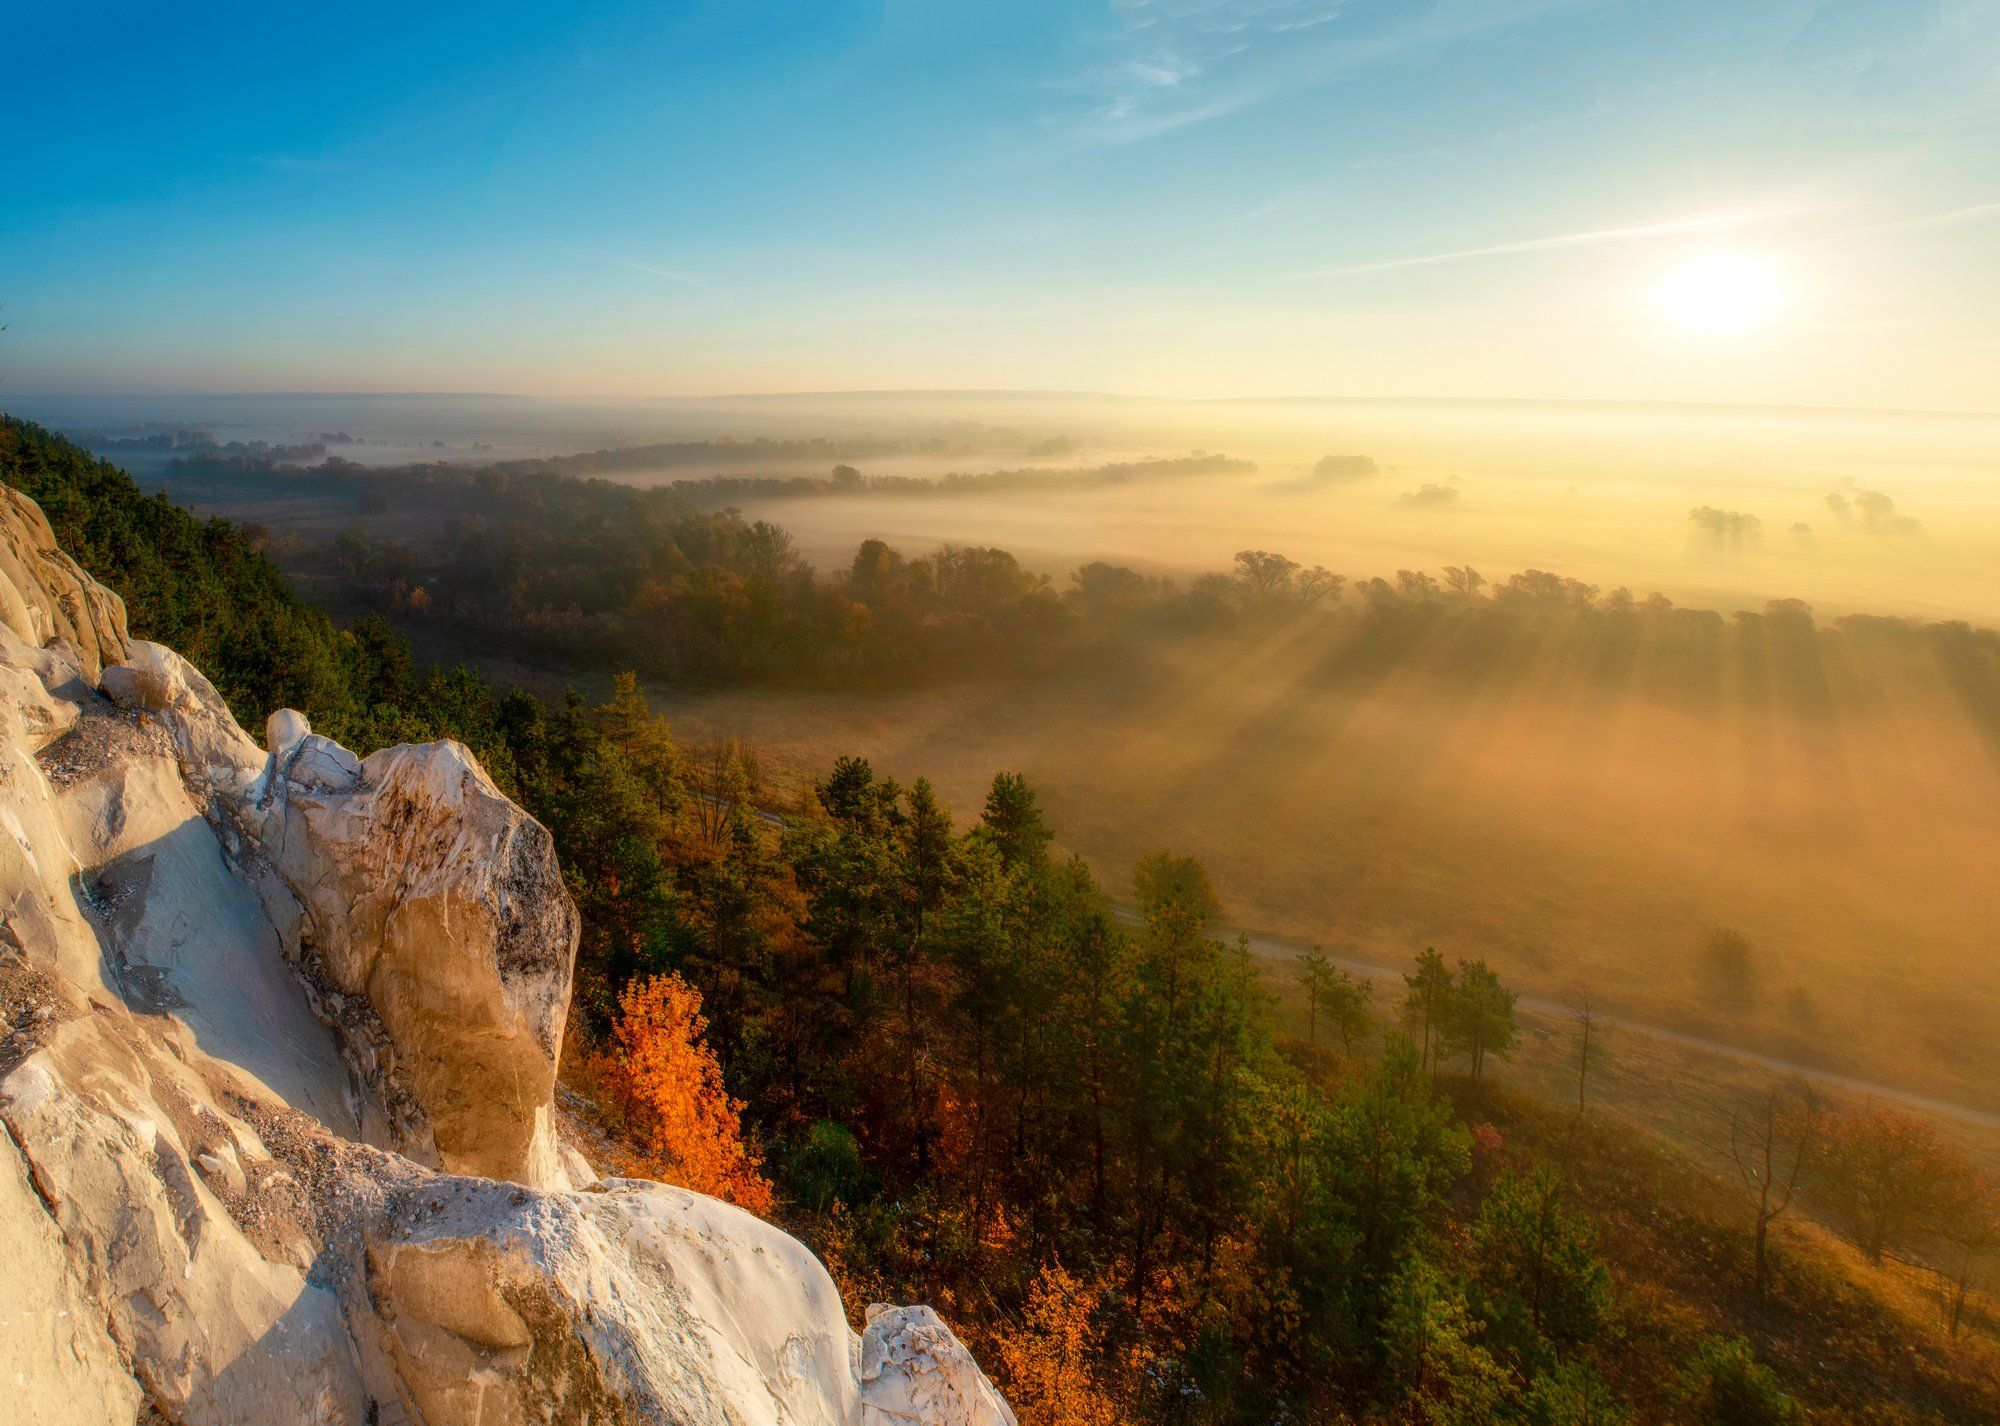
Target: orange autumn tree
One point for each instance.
(1050, 1360)
(1891, 1179)
(685, 1127)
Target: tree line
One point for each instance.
(539, 561)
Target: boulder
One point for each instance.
(914, 1369)
(429, 895)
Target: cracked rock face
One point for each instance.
(44, 595)
(427, 894)
(278, 1035)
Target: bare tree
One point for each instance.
(721, 785)
(1965, 1246)
(1589, 1044)
(1770, 1143)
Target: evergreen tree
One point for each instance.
(1014, 821)
(1540, 1287)
(925, 856)
(1390, 1153)
(1347, 1001)
(1435, 1370)
(1724, 1384)
(1426, 1002)
(1478, 1017)
(1315, 974)
(1573, 1394)
(1191, 1025)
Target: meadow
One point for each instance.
(1580, 838)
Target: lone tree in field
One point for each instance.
(1589, 1044)
(1731, 962)
(1889, 1178)
(1425, 1002)
(1479, 1015)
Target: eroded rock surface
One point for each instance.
(44, 595)
(278, 1034)
(427, 894)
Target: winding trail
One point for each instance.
(1290, 950)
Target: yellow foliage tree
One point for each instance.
(684, 1126)
(1050, 1361)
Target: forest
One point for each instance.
(1073, 1115)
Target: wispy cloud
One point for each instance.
(686, 279)
(1177, 63)
(1589, 237)
(1972, 214)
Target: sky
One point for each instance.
(1762, 201)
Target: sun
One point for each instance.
(1722, 292)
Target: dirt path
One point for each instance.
(1287, 950)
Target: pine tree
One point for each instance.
(1425, 1003)
(1014, 821)
(1478, 1015)
(925, 857)
(1315, 975)
(1542, 1288)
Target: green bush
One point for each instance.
(1724, 1384)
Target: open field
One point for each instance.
(1576, 836)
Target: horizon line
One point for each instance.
(1020, 393)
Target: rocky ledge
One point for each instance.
(278, 1037)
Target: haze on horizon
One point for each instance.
(1767, 203)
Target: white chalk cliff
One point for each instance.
(278, 1035)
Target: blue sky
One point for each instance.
(1192, 197)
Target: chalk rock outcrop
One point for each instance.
(423, 891)
(278, 1035)
(44, 595)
